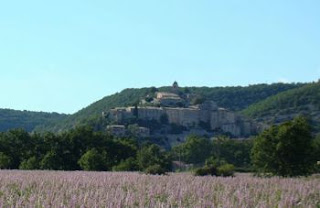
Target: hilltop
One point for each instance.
(264, 103)
(233, 98)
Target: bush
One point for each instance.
(93, 160)
(51, 161)
(226, 170)
(155, 170)
(129, 164)
(206, 170)
(5, 161)
(29, 164)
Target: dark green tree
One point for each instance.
(151, 155)
(93, 160)
(195, 150)
(5, 161)
(285, 150)
(316, 153)
(51, 161)
(29, 164)
(129, 164)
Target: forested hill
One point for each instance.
(233, 98)
(92, 114)
(27, 120)
(288, 104)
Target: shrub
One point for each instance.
(5, 161)
(129, 164)
(29, 164)
(93, 160)
(155, 170)
(51, 161)
(206, 170)
(226, 170)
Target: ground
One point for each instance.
(111, 189)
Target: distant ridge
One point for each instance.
(27, 120)
(233, 98)
(286, 105)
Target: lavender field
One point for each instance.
(107, 189)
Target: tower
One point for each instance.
(175, 85)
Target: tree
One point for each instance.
(151, 155)
(129, 164)
(284, 150)
(92, 160)
(316, 153)
(195, 150)
(5, 161)
(29, 164)
(51, 161)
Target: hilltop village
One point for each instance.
(173, 114)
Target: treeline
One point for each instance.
(78, 149)
(84, 149)
(238, 98)
(197, 151)
(286, 150)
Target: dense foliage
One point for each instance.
(83, 148)
(238, 98)
(28, 120)
(285, 150)
(286, 105)
(77, 149)
(197, 150)
(91, 115)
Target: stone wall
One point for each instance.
(190, 117)
(183, 116)
(150, 113)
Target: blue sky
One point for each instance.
(63, 55)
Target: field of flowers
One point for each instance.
(108, 189)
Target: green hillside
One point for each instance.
(28, 120)
(234, 98)
(286, 105)
(239, 98)
(92, 114)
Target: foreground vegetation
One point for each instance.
(285, 150)
(107, 189)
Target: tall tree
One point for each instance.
(285, 150)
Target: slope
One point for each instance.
(28, 120)
(234, 98)
(286, 105)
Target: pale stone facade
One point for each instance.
(217, 118)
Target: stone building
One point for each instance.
(117, 130)
(168, 99)
(177, 111)
(208, 113)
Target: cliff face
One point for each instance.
(216, 119)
